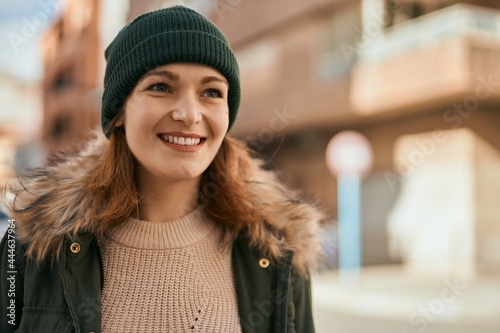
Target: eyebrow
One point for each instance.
(175, 77)
(208, 79)
(167, 74)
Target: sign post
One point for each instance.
(349, 157)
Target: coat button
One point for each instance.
(264, 262)
(74, 248)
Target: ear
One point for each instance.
(120, 121)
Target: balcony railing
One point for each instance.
(454, 21)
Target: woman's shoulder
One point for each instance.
(46, 202)
(292, 221)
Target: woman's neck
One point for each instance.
(167, 201)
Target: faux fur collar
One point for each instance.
(55, 192)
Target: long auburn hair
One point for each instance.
(223, 190)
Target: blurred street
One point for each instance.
(390, 300)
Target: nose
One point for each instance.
(187, 110)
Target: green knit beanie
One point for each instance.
(170, 35)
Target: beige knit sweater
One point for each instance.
(168, 277)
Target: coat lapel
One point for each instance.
(262, 291)
(81, 275)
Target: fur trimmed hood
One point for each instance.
(53, 195)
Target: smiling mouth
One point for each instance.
(181, 140)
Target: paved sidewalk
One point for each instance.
(389, 300)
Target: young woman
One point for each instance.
(165, 224)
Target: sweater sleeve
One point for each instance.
(11, 283)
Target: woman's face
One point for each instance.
(175, 120)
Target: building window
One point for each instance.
(338, 44)
(60, 127)
(62, 81)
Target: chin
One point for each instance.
(185, 176)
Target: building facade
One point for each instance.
(419, 79)
(71, 75)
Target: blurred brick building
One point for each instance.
(71, 65)
(420, 79)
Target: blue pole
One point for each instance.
(349, 207)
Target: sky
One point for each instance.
(22, 22)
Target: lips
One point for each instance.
(182, 142)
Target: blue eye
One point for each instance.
(161, 87)
(213, 93)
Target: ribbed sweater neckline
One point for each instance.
(146, 235)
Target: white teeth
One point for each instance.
(179, 140)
